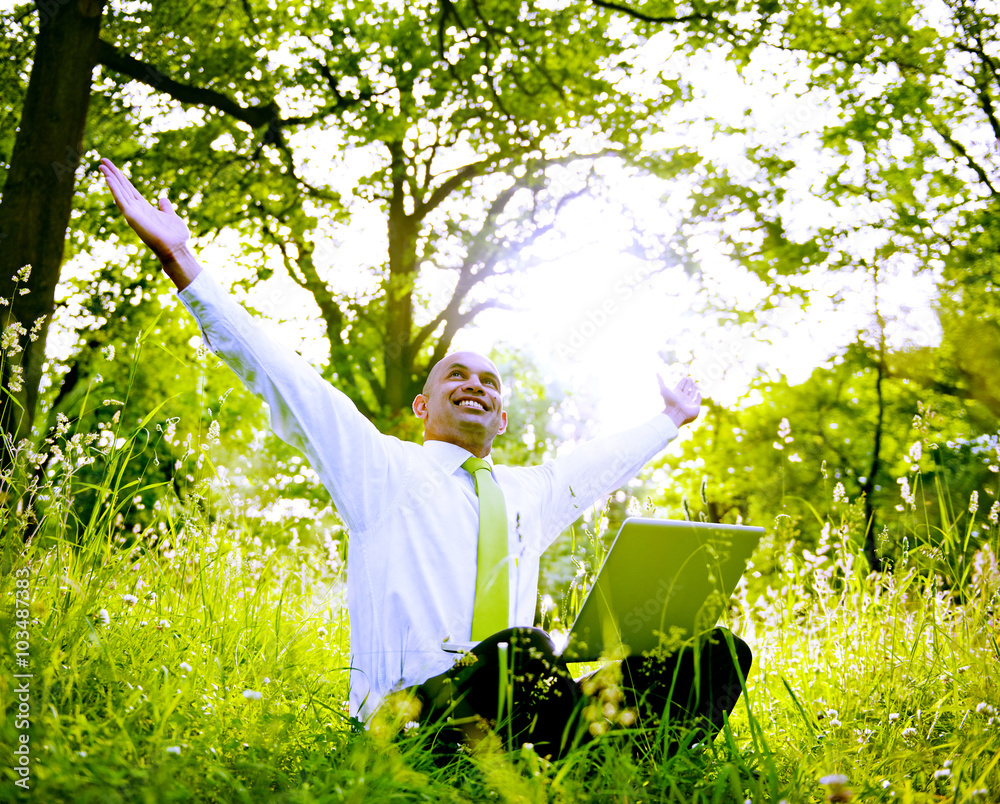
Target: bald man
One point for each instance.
(412, 514)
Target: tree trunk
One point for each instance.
(397, 347)
(868, 490)
(38, 194)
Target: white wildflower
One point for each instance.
(908, 496)
(974, 502)
(184, 667)
(916, 451)
(103, 617)
(893, 716)
(163, 624)
(22, 275)
(794, 458)
(942, 773)
(130, 599)
(109, 351)
(36, 329)
(16, 380)
(994, 514)
(251, 695)
(834, 778)
(839, 494)
(10, 342)
(173, 749)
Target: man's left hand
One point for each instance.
(682, 403)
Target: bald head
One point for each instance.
(461, 402)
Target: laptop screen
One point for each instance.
(663, 585)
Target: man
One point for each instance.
(443, 545)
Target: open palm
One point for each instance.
(160, 228)
(682, 403)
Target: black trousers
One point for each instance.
(514, 686)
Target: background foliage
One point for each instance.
(457, 137)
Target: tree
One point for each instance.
(38, 198)
(786, 454)
(469, 112)
(894, 173)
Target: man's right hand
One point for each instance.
(159, 228)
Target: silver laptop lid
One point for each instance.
(662, 585)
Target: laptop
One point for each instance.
(662, 586)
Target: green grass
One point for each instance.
(207, 666)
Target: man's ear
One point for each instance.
(503, 423)
(420, 406)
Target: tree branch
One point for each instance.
(631, 12)
(452, 327)
(962, 151)
(447, 187)
(253, 116)
(265, 114)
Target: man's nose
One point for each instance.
(473, 384)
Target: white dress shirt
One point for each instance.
(411, 510)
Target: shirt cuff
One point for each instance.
(201, 292)
(664, 428)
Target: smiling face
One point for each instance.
(461, 403)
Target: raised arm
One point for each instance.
(158, 227)
(357, 464)
(596, 468)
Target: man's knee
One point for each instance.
(724, 646)
(519, 638)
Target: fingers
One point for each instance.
(121, 187)
(116, 183)
(688, 388)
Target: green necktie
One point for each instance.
(489, 613)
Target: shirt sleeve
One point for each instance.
(574, 482)
(357, 464)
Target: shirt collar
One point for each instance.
(451, 456)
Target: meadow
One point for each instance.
(192, 662)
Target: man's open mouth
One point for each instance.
(475, 404)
